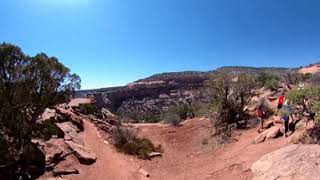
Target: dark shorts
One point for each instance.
(279, 106)
(286, 123)
(285, 118)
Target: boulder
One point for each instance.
(55, 150)
(291, 162)
(70, 132)
(296, 137)
(260, 138)
(273, 132)
(48, 114)
(83, 154)
(72, 117)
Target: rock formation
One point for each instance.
(291, 162)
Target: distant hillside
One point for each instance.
(253, 70)
(152, 95)
(312, 68)
(205, 74)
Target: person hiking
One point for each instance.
(286, 113)
(280, 102)
(261, 115)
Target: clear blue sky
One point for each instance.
(114, 42)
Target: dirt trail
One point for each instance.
(187, 157)
(110, 164)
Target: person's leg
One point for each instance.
(262, 122)
(286, 124)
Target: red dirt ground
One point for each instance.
(186, 155)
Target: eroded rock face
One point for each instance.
(71, 117)
(294, 162)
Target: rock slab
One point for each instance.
(83, 154)
(294, 162)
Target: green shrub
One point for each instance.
(138, 116)
(139, 147)
(173, 119)
(272, 84)
(268, 80)
(229, 98)
(89, 109)
(29, 85)
(125, 141)
(307, 76)
(46, 130)
(184, 111)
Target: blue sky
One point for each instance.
(114, 42)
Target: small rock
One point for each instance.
(144, 173)
(155, 154)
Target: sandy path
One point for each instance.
(110, 164)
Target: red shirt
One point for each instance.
(261, 113)
(281, 98)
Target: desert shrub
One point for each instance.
(315, 79)
(312, 136)
(89, 109)
(272, 84)
(292, 78)
(173, 119)
(46, 130)
(307, 100)
(316, 109)
(307, 76)
(242, 88)
(267, 80)
(139, 115)
(125, 141)
(28, 85)
(304, 97)
(184, 111)
(229, 97)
